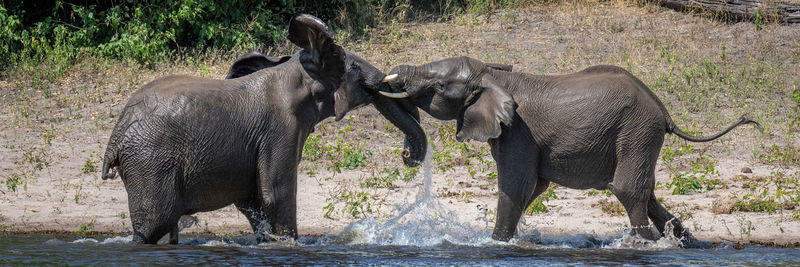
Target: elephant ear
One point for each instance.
(252, 62)
(485, 111)
(320, 57)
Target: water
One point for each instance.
(41, 249)
(423, 233)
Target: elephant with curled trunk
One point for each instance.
(598, 128)
(187, 144)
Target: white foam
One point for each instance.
(633, 241)
(425, 222)
(114, 240)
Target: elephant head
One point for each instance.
(359, 86)
(458, 88)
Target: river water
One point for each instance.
(423, 233)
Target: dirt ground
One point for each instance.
(53, 134)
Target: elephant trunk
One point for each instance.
(405, 116)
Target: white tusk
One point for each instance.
(394, 95)
(390, 77)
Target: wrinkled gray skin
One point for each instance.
(599, 128)
(358, 75)
(187, 144)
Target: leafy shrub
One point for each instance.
(357, 204)
(537, 206)
(696, 179)
(59, 32)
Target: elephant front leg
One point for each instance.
(517, 162)
(278, 186)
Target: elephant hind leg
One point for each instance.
(661, 217)
(634, 180)
(635, 201)
(149, 227)
(154, 203)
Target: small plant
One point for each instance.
(357, 204)
(745, 227)
(610, 206)
(409, 173)
(696, 179)
(13, 181)
(758, 21)
(78, 193)
(86, 229)
(122, 215)
(89, 166)
(36, 158)
(669, 154)
(385, 179)
(352, 158)
(48, 137)
(328, 210)
(344, 155)
(537, 206)
(683, 184)
(605, 192)
(313, 148)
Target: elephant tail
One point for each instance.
(672, 128)
(109, 161)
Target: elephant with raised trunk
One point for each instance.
(187, 144)
(599, 128)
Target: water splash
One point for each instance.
(425, 222)
(114, 240)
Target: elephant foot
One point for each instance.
(503, 235)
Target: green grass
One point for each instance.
(784, 156)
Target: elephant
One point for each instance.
(186, 144)
(598, 128)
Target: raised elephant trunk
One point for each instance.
(405, 116)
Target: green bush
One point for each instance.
(58, 33)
